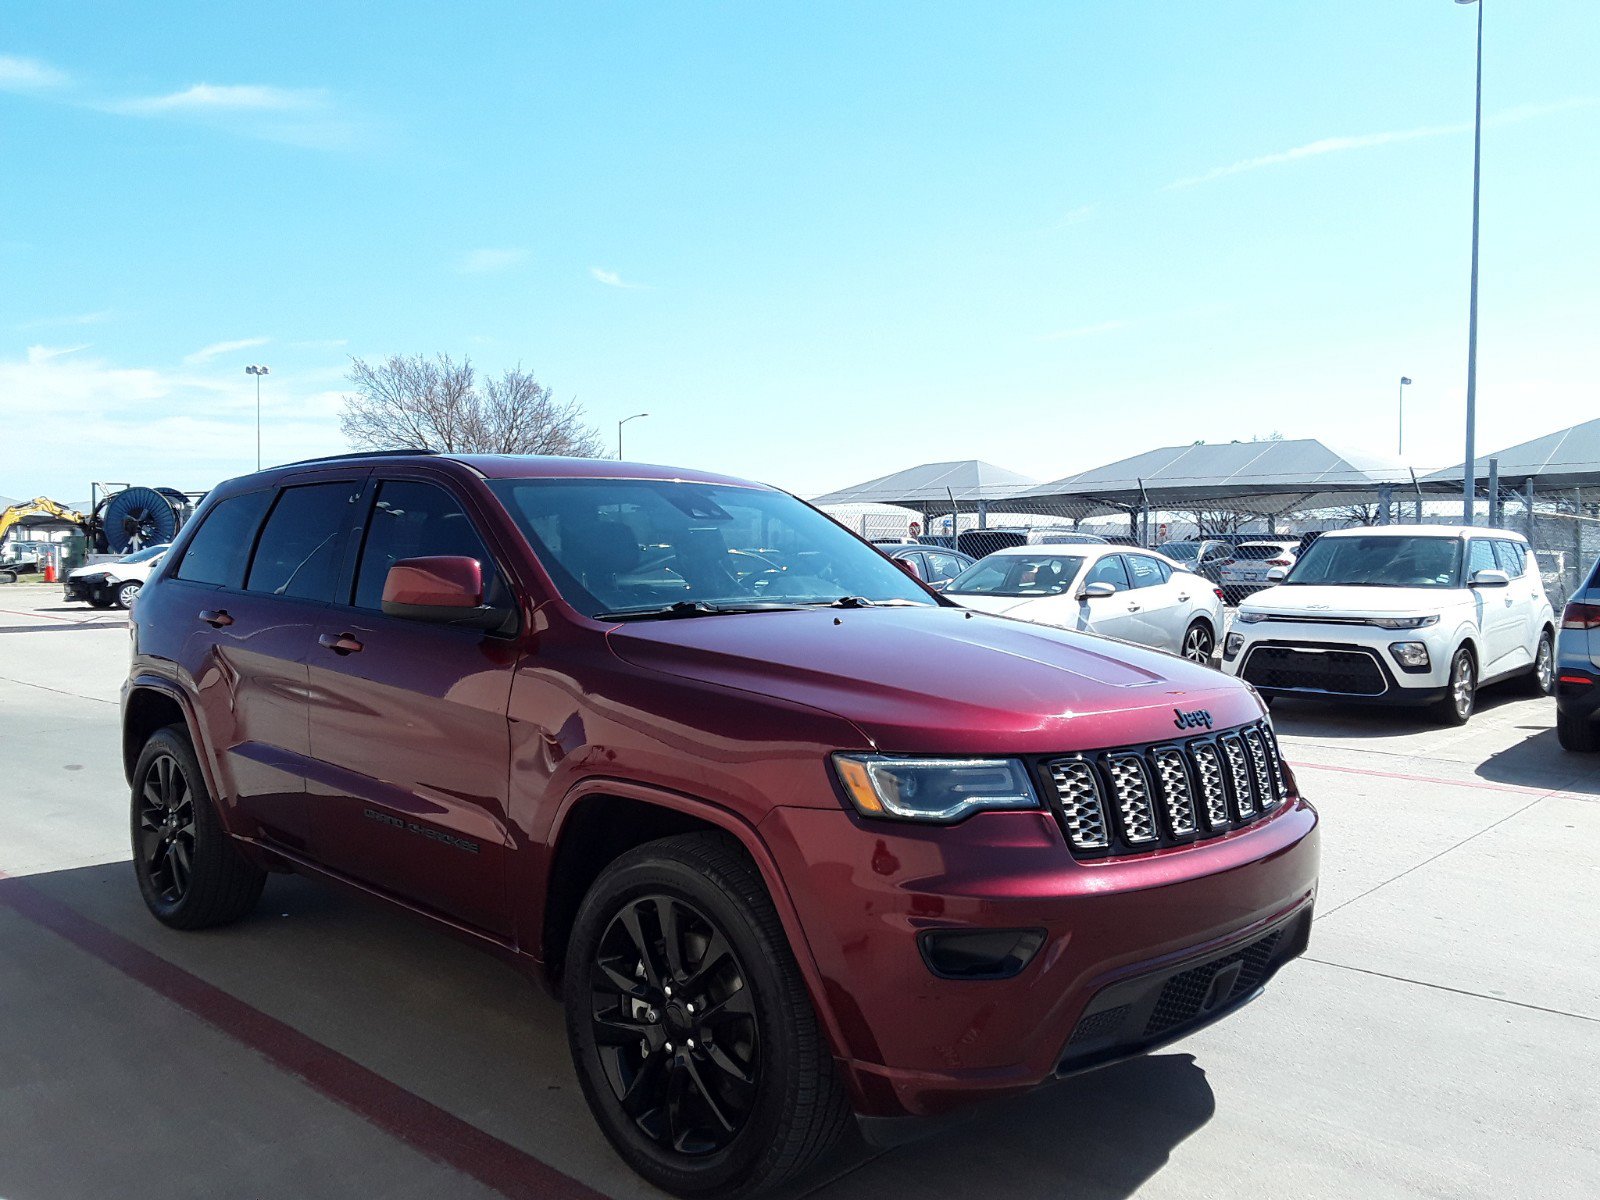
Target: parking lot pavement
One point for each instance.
(1441, 1039)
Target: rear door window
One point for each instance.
(302, 547)
(419, 520)
(942, 566)
(220, 547)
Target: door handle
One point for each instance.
(339, 643)
(217, 618)
(1133, 608)
(1183, 597)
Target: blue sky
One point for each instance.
(816, 242)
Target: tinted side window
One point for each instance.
(1480, 556)
(218, 552)
(1511, 558)
(302, 547)
(1146, 572)
(418, 520)
(1108, 570)
(942, 566)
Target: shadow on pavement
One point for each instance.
(1098, 1136)
(1331, 720)
(1540, 762)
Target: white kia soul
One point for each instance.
(1407, 614)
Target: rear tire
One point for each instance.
(189, 872)
(1541, 679)
(1576, 733)
(673, 933)
(1461, 696)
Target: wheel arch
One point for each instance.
(602, 819)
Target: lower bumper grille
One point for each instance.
(1344, 672)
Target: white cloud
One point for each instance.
(43, 354)
(489, 261)
(1083, 331)
(1336, 145)
(214, 98)
(216, 349)
(612, 279)
(28, 74)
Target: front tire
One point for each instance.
(127, 593)
(189, 872)
(1461, 696)
(690, 1027)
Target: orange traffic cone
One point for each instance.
(49, 572)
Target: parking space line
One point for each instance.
(1444, 987)
(402, 1114)
(58, 691)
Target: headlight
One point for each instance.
(932, 789)
(1404, 622)
(1413, 656)
(1232, 646)
(1251, 618)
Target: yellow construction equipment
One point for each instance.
(39, 506)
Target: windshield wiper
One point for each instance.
(863, 602)
(695, 608)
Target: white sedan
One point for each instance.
(1116, 591)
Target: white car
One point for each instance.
(1408, 614)
(1114, 591)
(115, 583)
(1248, 568)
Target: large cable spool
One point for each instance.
(137, 517)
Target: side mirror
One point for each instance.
(1091, 590)
(444, 589)
(1277, 574)
(906, 565)
(1489, 577)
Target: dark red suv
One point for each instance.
(792, 837)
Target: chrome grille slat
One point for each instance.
(1130, 786)
(1082, 810)
(1208, 769)
(1244, 805)
(1174, 777)
(1136, 798)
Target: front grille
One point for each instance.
(1124, 801)
(1309, 668)
(1098, 1025)
(1185, 995)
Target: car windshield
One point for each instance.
(145, 555)
(648, 547)
(1426, 562)
(1017, 575)
(1182, 551)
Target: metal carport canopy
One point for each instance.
(930, 486)
(1260, 477)
(1568, 458)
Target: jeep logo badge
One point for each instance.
(1193, 719)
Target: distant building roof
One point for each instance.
(1568, 458)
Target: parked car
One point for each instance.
(1205, 557)
(791, 835)
(1577, 684)
(1399, 615)
(114, 584)
(1251, 563)
(975, 543)
(933, 566)
(1133, 595)
(1044, 535)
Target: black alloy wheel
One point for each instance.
(674, 1020)
(166, 828)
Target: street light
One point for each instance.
(620, 424)
(258, 372)
(1400, 419)
(1469, 470)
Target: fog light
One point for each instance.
(1231, 647)
(1413, 656)
(980, 953)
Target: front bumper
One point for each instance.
(82, 589)
(1346, 663)
(1118, 932)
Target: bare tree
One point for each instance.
(438, 404)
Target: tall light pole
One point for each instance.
(1400, 417)
(258, 372)
(1469, 469)
(620, 424)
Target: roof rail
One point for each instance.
(300, 462)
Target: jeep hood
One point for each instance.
(944, 680)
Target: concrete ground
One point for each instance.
(1442, 1039)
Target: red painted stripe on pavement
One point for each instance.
(402, 1114)
(1515, 788)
